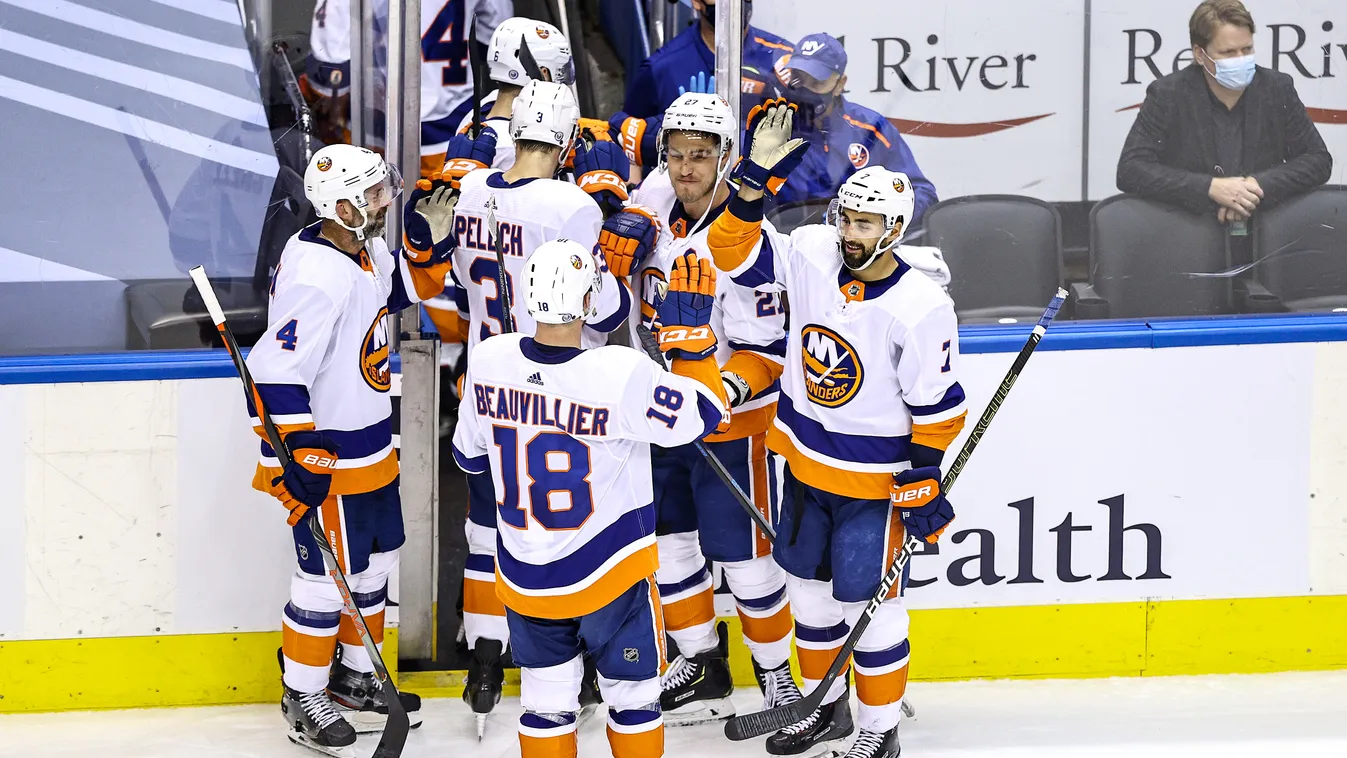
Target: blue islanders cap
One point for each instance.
(820, 56)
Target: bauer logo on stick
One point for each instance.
(832, 369)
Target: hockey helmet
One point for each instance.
(357, 175)
(558, 277)
(545, 112)
(876, 190)
(549, 47)
(698, 112)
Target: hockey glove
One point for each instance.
(595, 129)
(428, 222)
(685, 311)
(628, 237)
(601, 169)
(304, 483)
(637, 136)
(736, 388)
(467, 154)
(772, 154)
(921, 505)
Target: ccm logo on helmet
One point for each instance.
(374, 365)
(319, 461)
(831, 366)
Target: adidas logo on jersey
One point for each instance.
(537, 379)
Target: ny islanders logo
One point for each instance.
(832, 368)
(859, 155)
(374, 364)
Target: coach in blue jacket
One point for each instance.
(688, 64)
(844, 137)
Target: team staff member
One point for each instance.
(844, 137)
(687, 63)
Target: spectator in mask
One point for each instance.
(687, 63)
(1224, 136)
(843, 137)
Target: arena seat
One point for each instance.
(1300, 254)
(1004, 253)
(1148, 259)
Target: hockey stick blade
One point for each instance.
(757, 724)
(394, 736)
(651, 346)
(527, 61)
(503, 275)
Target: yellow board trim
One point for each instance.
(1253, 635)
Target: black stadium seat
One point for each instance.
(1004, 253)
(1300, 253)
(1149, 260)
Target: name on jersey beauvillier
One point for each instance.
(539, 409)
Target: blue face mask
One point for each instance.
(1234, 73)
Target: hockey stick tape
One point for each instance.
(198, 275)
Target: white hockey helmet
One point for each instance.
(355, 174)
(558, 277)
(698, 112)
(545, 112)
(549, 47)
(877, 190)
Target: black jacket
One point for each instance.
(1170, 154)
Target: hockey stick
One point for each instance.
(760, 723)
(530, 64)
(503, 280)
(478, 79)
(395, 731)
(652, 349)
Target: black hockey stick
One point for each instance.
(530, 64)
(652, 349)
(503, 278)
(395, 731)
(478, 79)
(760, 723)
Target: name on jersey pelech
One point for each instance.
(374, 364)
(831, 366)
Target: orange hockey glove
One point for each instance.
(685, 311)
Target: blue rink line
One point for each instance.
(1066, 335)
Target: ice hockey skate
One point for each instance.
(697, 689)
(875, 745)
(777, 686)
(362, 701)
(590, 697)
(820, 735)
(316, 724)
(486, 679)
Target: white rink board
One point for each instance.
(174, 541)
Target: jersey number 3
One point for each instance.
(446, 40)
(558, 466)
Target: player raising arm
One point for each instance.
(870, 401)
(323, 372)
(566, 433)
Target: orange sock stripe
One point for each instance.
(761, 500)
(480, 597)
(814, 663)
(647, 744)
(657, 608)
(307, 649)
(883, 689)
(690, 611)
(770, 629)
(561, 746)
(346, 629)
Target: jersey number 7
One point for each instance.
(446, 40)
(558, 468)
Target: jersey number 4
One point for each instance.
(446, 40)
(558, 467)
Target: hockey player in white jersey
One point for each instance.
(698, 517)
(870, 400)
(566, 433)
(446, 77)
(322, 372)
(529, 208)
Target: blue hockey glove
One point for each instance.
(771, 153)
(467, 154)
(305, 482)
(628, 237)
(685, 311)
(428, 222)
(602, 169)
(921, 505)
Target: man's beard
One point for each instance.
(857, 260)
(690, 195)
(375, 227)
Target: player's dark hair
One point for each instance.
(524, 146)
(509, 89)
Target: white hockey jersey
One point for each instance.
(324, 360)
(530, 212)
(871, 367)
(446, 70)
(566, 434)
(744, 319)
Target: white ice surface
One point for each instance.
(1268, 716)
